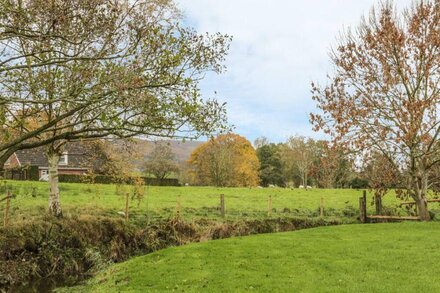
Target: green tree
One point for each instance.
(86, 69)
(271, 169)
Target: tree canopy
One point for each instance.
(87, 69)
(227, 160)
(384, 94)
(83, 69)
(271, 166)
(161, 162)
(300, 153)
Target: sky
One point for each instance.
(279, 47)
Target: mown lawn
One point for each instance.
(395, 257)
(195, 202)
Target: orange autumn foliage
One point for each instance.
(227, 160)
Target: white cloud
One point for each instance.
(279, 47)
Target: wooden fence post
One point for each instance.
(7, 207)
(378, 204)
(321, 208)
(178, 206)
(363, 207)
(361, 210)
(127, 196)
(269, 206)
(222, 205)
(364, 195)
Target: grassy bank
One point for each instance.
(355, 258)
(93, 233)
(65, 250)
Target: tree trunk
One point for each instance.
(3, 159)
(420, 190)
(422, 209)
(54, 197)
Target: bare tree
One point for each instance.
(114, 158)
(87, 69)
(260, 142)
(332, 167)
(161, 161)
(299, 155)
(384, 93)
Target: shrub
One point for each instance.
(105, 179)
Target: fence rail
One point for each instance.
(365, 218)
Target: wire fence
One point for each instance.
(27, 200)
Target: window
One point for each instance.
(64, 159)
(44, 175)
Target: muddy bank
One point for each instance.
(64, 251)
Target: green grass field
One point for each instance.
(312, 260)
(195, 202)
(399, 257)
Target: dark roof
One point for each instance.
(83, 154)
(32, 157)
(77, 156)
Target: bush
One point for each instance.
(71, 178)
(105, 179)
(359, 183)
(33, 173)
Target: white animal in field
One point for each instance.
(271, 186)
(301, 186)
(309, 187)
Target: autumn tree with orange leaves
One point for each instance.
(228, 160)
(382, 176)
(384, 95)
